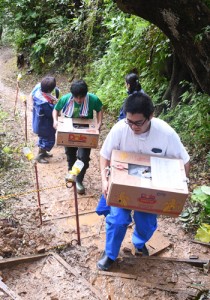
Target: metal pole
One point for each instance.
(26, 137)
(38, 194)
(16, 98)
(76, 213)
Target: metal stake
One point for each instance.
(76, 210)
(16, 97)
(38, 194)
(26, 137)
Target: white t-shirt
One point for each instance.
(161, 140)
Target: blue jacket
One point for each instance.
(42, 121)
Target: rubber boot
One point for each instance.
(80, 188)
(47, 154)
(41, 157)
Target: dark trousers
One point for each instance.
(72, 153)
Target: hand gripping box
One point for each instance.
(146, 183)
(78, 132)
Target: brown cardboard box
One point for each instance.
(77, 133)
(146, 183)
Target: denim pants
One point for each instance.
(116, 226)
(72, 153)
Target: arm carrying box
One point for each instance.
(76, 132)
(147, 183)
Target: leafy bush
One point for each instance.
(198, 214)
(5, 150)
(190, 118)
(201, 195)
(135, 45)
(203, 233)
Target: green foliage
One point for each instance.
(208, 158)
(190, 216)
(56, 33)
(201, 195)
(191, 119)
(134, 45)
(205, 32)
(5, 150)
(203, 233)
(207, 2)
(199, 212)
(6, 155)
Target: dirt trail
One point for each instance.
(59, 225)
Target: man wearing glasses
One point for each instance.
(139, 132)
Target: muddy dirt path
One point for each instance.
(58, 232)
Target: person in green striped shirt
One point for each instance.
(79, 103)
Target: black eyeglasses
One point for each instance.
(136, 123)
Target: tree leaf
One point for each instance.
(7, 149)
(206, 189)
(203, 233)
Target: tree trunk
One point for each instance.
(176, 86)
(184, 22)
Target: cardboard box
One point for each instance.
(146, 183)
(74, 132)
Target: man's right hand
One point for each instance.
(105, 185)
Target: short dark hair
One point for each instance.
(48, 84)
(79, 88)
(133, 80)
(139, 103)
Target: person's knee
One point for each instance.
(84, 155)
(118, 220)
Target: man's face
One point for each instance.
(137, 122)
(79, 99)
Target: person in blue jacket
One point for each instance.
(133, 86)
(42, 121)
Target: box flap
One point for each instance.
(65, 124)
(168, 173)
(130, 157)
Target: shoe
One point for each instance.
(80, 188)
(143, 251)
(40, 158)
(48, 155)
(105, 262)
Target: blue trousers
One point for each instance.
(46, 143)
(116, 226)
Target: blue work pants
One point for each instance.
(46, 143)
(116, 226)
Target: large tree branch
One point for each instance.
(182, 21)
